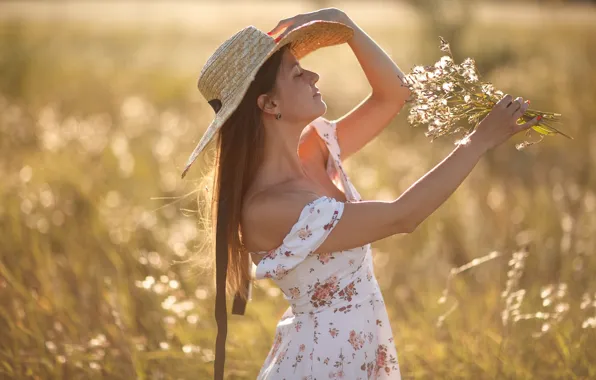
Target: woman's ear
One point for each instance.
(266, 104)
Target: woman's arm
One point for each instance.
(368, 221)
(269, 219)
(363, 123)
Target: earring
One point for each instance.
(278, 116)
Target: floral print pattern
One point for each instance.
(336, 326)
(322, 294)
(325, 257)
(356, 340)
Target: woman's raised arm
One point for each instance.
(368, 221)
(271, 218)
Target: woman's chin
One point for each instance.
(321, 103)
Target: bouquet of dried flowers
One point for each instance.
(444, 94)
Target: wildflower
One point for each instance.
(445, 93)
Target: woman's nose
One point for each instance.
(315, 77)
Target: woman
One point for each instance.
(283, 199)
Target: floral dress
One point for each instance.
(336, 326)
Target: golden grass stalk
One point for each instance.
(453, 273)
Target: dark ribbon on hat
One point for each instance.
(215, 104)
(239, 305)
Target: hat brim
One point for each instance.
(303, 40)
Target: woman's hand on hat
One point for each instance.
(325, 14)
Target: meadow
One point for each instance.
(100, 248)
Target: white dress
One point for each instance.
(336, 326)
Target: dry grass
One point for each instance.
(96, 273)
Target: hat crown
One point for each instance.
(233, 62)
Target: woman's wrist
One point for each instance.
(341, 16)
(481, 144)
(474, 142)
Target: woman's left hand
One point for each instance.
(326, 14)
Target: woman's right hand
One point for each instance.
(501, 123)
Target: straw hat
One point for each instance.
(228, 73)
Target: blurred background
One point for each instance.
(99, 240)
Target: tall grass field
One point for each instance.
(100, 245)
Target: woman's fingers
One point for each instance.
(288, 30)
(521, 110)
(280, 25)
(515, 105)
(504, 102)
(527, 125)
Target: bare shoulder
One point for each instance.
(269, 219)
(270, 215)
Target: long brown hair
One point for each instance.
(238, 155)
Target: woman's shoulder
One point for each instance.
(270, 214)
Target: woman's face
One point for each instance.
(295, 91)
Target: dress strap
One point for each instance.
(327, 130)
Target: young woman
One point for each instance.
(282, 199)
